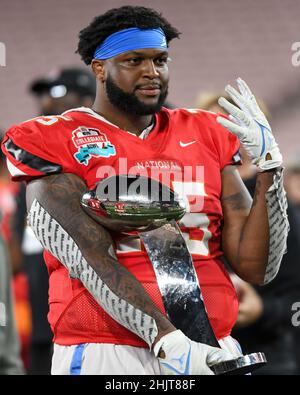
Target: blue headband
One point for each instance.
(129, 40)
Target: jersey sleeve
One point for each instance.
(33, 150)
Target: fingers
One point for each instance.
(248, 95)
(235, 120)
(216, 355)
(231, 126)
(230, 108)
(244, 98)
(234, 111)
(244, 89)
(236, 97)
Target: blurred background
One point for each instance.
(221, 40)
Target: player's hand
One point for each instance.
(250, 125)
(181, 356)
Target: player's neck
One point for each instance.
(129, 122)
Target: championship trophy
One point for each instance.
(134, 203)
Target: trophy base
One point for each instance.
(240, 366)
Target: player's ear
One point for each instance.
(98, 69)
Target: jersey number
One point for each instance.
(193, 194)
(50, 120)
(198, 236)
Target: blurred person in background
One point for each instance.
(10, 358)
(60, 90)
(292, 180)
(63, 89)
(21, 306)
(8, 191)
(265, 312)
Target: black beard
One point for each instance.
(129, 103)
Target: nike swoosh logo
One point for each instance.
(186, 144)
(186, 371)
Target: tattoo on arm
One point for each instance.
(60, 196)
(236, 201)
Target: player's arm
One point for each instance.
(256, 241)
(245, 234)
(86, 250)
(57, 198)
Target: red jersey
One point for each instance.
(186, 149)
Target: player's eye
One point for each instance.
(134, 61)
(162, 61)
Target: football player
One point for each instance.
(106, 310)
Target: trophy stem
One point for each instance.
(182, 297)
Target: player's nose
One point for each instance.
(150, 69)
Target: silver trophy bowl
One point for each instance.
(124, 203)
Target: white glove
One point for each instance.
(250, 125)
(183, 356)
